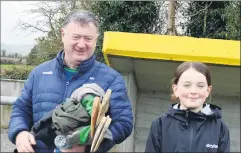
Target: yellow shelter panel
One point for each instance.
(177, 48)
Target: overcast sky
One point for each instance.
(11, 13)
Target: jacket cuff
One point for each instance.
(12, 137)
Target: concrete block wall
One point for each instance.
(152, 105)
(9, 88)
(149, 107)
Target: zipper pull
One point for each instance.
(186, 115)
(67, 83)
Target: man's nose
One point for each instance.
(81, 43)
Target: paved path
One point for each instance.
(6, 145)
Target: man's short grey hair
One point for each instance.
(82, 17)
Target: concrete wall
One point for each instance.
(132, 93)
(152, 105)
(9, 88)
(149, 107)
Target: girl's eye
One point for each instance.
(200, 85)
(186, 85)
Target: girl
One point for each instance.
(191, 125)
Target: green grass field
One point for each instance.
(8, 66)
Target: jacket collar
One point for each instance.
(205, 110)
(83, 67)
(209, 111)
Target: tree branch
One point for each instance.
(26, 26)
(204, 9)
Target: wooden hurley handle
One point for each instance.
(104, 129)
(104, 106)
(97, 133)
(95, 111)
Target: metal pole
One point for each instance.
(7, 100)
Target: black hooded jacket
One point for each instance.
(186, 131)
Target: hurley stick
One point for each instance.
(104, 106)
(97, 133)
(104, 129)
(95, 111)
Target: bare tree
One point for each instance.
(171, 29)
(49, 16)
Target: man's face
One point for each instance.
(79, 41)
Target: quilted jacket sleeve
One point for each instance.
(21, 117)
(121, 113)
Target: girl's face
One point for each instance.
(192, 90)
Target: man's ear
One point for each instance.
(62, 33)
(174, 88)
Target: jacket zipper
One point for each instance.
(190, 134)
(191, 138)
(67, 83)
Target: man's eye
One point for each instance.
(88, 38)
(75, 37)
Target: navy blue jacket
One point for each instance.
(186, 131)
(47, 87)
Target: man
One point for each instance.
(52, 82)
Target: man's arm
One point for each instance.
(121, 113)
(21, 117)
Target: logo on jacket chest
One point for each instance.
(49, 72)
(211, 146)
(91, 78)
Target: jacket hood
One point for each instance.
(83, 67)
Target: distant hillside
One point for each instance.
(22, 49)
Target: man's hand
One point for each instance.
(24, 142)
